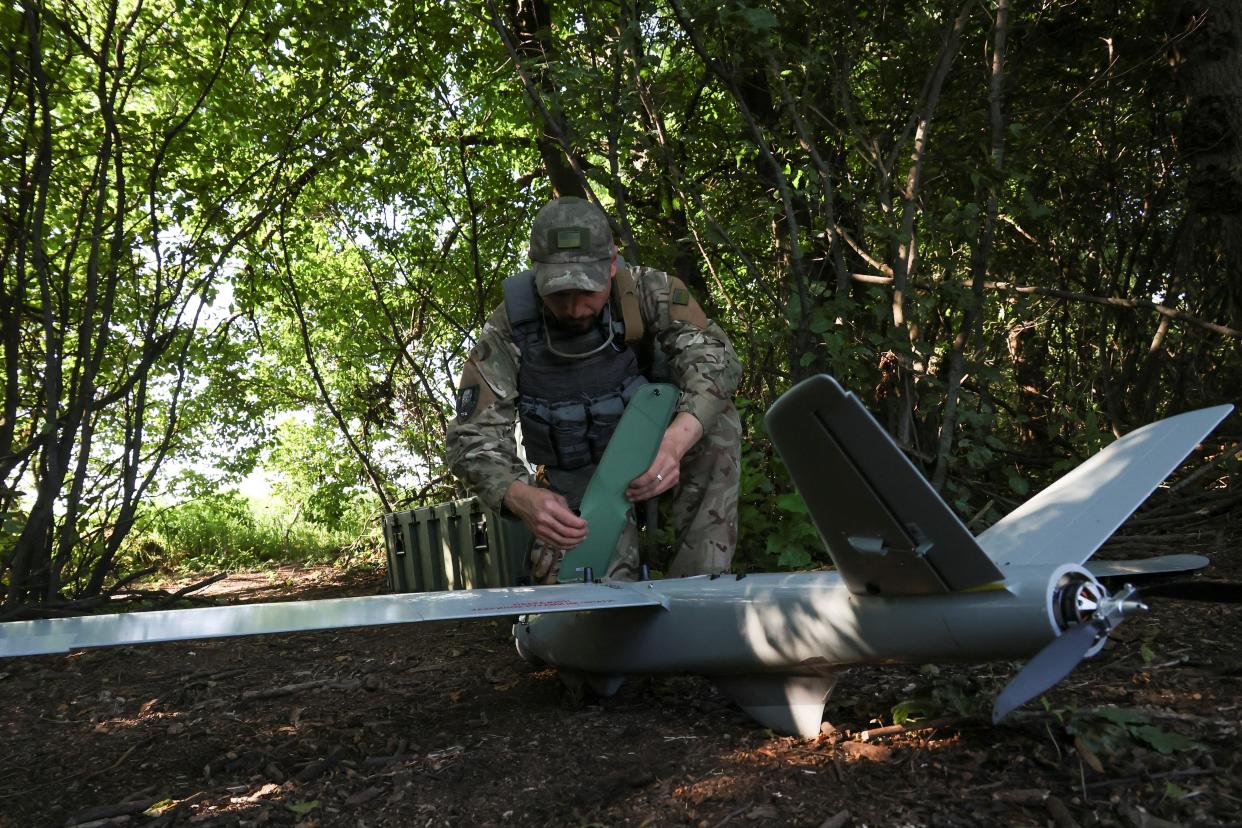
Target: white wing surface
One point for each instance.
(1068, 521)
(63, 634)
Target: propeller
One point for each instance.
(1100, 614)
(1059, 658)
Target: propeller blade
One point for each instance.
(1051, 664)
(1055, 661)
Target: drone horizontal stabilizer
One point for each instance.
(1161, 565)
(886, 528)
(1068, 521)
(60, 635)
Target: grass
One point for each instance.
(228, 531)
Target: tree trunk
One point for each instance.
(1207, 60)
(531, 23)
(1028, 353)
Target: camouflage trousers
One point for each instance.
(704, 513)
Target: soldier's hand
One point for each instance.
(662, 475)
(665, 471)
(546, 514)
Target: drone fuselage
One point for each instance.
(781, 638)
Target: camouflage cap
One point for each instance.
(571, 246)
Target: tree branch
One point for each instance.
(1111, 301)
(981, 255)
(377, 481)
(907, 249)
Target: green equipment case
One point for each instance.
(456, 545)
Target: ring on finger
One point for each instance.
(659, 477)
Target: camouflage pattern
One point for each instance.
(545, 559)
(571, 246)
(704, 514)
(701, 360)
(483, 451)
(482, 448)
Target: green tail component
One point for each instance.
(630, 452)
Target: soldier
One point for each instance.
(574, 338)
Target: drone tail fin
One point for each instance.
(887, 530)
(786, 704)
(1068, 521)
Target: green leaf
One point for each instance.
(793, 558)
(159, 807)
(1174, 791)
(793, 503)
(303, 808)
(1017, 483)
(913, 710)
(1163, 741)
(759, 18)
(1122, 715)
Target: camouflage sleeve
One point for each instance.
(481, 446)
(701, 359)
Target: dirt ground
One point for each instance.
(442, 724)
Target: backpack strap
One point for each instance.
(625, 294)
(522, 306)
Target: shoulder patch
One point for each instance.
(490, 363)
(682, 307)
(467, 401)
(472, 391)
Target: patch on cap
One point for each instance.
(570, 230)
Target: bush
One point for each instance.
(224, 530)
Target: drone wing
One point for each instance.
(1068, 521)
(886, 528)
(63, 634)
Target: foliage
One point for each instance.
(224, 531)
(320, 477)
(1110, 730)
(140, 141)
(773, 524)
(981, 220)
(943, 694)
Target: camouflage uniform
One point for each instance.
(482, 446)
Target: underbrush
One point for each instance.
(228, 531)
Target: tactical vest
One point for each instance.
(569, 407)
